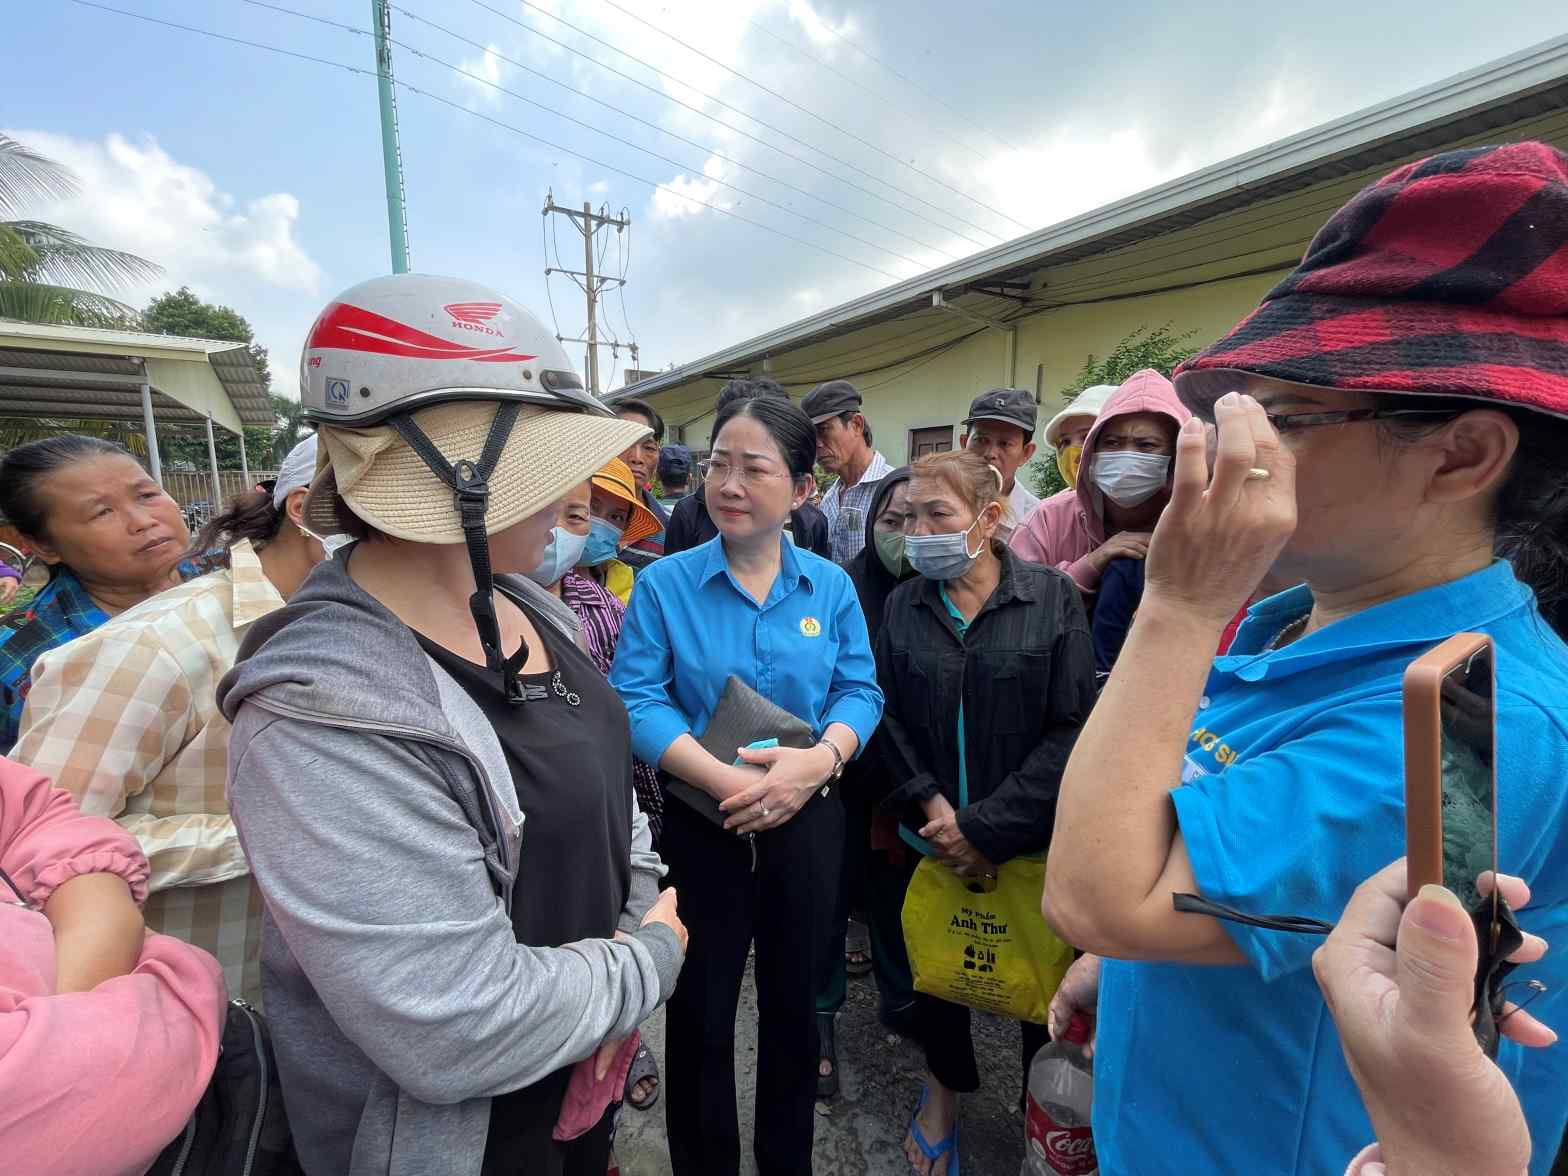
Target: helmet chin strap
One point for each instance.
(471, 498)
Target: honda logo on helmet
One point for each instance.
(473, 316)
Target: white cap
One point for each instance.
(298, 468)
(1087, 403)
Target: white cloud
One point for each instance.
(675, 199)
(487, 66)
(244, 252)
(819, 29)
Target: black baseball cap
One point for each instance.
(1011, 406)
(674, 459)
(834, 398)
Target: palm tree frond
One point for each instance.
(18, 432)
(66, 258)
(26, 175)
(42, 302)
(17, 258)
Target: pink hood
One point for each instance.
(1067, 527)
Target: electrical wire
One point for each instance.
(544, 251)
(675, 163)
(883, 99)
(715, 152)
(813, 114)
(625, 267)
(401, 84)
(945, 226)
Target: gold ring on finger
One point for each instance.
(1257, 474)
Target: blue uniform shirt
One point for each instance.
(690, 626)
(1293, 793)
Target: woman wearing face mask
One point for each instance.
(1123, 484)
(618, 519)
(873, 879)
(126, 719)
(785, 622)
(989, 675)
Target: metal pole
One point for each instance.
(151, 428)
(593, 299)
(244, 463)
(391, 151)
(212, 460)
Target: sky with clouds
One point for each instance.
(876, 138)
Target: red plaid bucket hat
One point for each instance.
(1446, 277)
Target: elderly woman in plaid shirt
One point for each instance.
(109, 534)
(126, 719)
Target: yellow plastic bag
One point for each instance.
(983, 943)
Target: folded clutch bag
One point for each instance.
(742, 718)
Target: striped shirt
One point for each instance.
(126, 719)
(601, 615)
(846, 507)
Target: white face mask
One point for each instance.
(1130, 479)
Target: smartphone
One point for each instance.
(1451, 772)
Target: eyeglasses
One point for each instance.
(718, 472)
(1295, 421)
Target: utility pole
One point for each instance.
(588, 223)
(391, 148)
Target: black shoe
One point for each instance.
(827, 1084)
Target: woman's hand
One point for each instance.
(953, 850)
(1218, 537)
(792, 775)
(1078, 993)
(1122, 545)
(665, 910)
(1400, 981)
(8, 588)
(98, 931)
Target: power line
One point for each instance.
(483, 81)
(772, 179)
(919, 89)
(853, 81)
(717, 101)
(401, 84)
(813, 114)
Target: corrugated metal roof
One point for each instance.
(1503, 93)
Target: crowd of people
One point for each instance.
(495, 723)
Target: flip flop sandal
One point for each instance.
(927, 1149)
(827, 1050)
(644, 1066)
(857, 942)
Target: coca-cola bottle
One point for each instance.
(1057, 1136)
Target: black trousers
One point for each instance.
(781, 898)
(520, 1141)
(942, 1028)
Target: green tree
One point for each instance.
(49, 274)
(1147, 347)
(181, 312)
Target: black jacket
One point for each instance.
(690, 526)
(1025, 676)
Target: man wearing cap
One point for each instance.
(641, 459)
(844, 448)
(674, 474)
(1000, 428)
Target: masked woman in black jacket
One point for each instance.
(988, 670)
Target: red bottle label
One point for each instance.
(1067, 1150)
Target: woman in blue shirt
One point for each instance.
(1390, 421)
(785, 622)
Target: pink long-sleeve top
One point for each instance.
(94, 1083)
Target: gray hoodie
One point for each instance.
(374, 803)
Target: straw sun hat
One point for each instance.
(386, 485)
(616, 479)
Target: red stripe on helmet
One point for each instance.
(352, 328)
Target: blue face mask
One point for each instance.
(604, 542)
(563, 553)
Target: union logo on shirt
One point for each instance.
(810, 627)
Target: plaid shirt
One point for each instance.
(126, 719)
(61, 612)
(601, 614)
(845, 508)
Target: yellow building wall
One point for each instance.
(1052, 344)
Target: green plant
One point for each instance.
(1146, 347)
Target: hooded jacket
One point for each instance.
(873, 582)
(1065, 529)
(375, 805)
